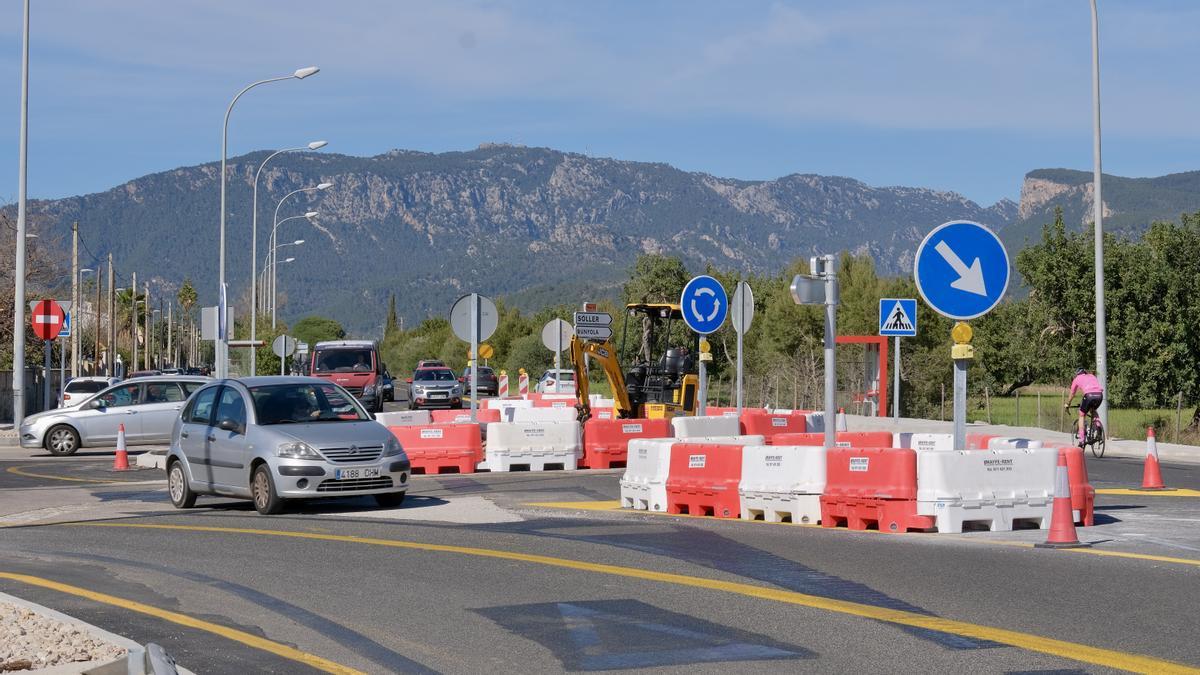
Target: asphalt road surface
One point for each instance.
(539, 572)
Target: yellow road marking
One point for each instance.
(1179, 492)
(20, 471)
(191, 622)
(1106, 553)
(1060, 648)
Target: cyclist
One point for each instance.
(1093, 395)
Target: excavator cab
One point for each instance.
(661, 382)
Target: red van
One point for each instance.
(353, 365)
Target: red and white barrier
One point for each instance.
(770, 425)
(502, 388)
(699, 427)
(993, 487)
(606, 442)
(533, 446)
(644, 485)
(782, 483)
(872, 485)
(441, 448)
(523, 384)
(404, 418)
(703, 480)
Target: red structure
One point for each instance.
(873, 343)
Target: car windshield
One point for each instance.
(564, 375)
(343, 361)
(434, 375)
(304, 402)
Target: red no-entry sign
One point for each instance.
(47, 319)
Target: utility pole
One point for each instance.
(149, 316)
(18, 378)
(110, 356)
(75, 299)
(133, 325)
(1098, 215)
(170, 344)
(96, 326)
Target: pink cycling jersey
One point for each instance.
(1085, 383)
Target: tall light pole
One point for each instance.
(77, 318)
(265, 275)
(310, 215)
(222, 342)
(315, 145)
(1098, 215)
(18, 379)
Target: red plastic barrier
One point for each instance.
(484, 415)
(1083, 495)
(441, 448)
(872, 485)
(714, 411)
(759, 423)
(606, 442)
(703, 480)
(554, 403)
(844, 439)
(979, 441)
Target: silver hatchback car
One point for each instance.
(271, 439)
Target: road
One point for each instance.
(539, 572)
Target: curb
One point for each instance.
(155, 459)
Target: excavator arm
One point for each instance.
(604, 354)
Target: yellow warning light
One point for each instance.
(961, 333)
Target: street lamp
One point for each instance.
(310, 215)
(1098, 215)
(222, 344)
(315, 145)
(18, 376)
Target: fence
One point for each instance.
(1043, 408)
(34, 386)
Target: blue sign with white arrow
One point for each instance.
(898, 317)
(961, 270)
(704, 304)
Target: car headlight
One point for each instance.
(369, 390)
(457, 390)
(392, 448)
(296, 450)
(418, 389)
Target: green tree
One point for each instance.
(656, 278)
(314, 329)
(392, 325)
(187, 297)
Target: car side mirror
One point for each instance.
(98, 404)
(230, 425)
(462, 379)
(408, 380)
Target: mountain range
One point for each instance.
(535, 225)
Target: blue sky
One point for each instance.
(962, 95)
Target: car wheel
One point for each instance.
(181, 493)
(390, 500)
(62, 440)
(262, 488)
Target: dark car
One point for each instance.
(489, 384)
(389, 387)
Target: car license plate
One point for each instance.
(350, 474)
(437, 395)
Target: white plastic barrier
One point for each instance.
(534, 445)
(993, 486)
(782, 483)
(404, 418)
(541, 414)
(1008, 442)
(502, 403)
(922, 442)
(694, 427)
(644, 485)
(814, 422)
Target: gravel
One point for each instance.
(29, 641)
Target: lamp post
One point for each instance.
(18, 378)
(1098, 215)
(310, 215)
(222, 343)
(315, 145)
(77, 329)
(269, 268)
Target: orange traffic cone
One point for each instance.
(1151, 473)
(841, 419)
(121, 462)
(1062, 519)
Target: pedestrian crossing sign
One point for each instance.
(898, 317)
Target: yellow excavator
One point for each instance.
(662, 383)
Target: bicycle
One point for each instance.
(1094, 434)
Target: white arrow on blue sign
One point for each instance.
(961, 270)
(898, 317)
(704, 304)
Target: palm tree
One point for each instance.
(124, 302)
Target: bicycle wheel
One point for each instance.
(1097, 434)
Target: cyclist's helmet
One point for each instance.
(1081, 371)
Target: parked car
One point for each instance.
(272, 439)
(564, 378)
(434, 388)
(147, 406)
(389, 387)
(79, 388)
(489, 384)
(430, 363)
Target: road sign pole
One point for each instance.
(831, 301)
(62, 370)
(474, 357)
(46, 375)
(558, 364)
(896, 384)
(960, 403)
(702, 371)
(739, 365)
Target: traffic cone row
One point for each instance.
(1151, 473)
(121, 462)
(1062, 519)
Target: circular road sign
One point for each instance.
(742, 313)
(47, 319)
(556, 335)
(460, 318)
(961, 270)
(704, 304)
(283, 345)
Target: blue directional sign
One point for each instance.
(898, 317)
(704, 304)
(961, 270)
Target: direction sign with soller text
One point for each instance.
(593, 325)
(704, 304)
(961, 270)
